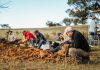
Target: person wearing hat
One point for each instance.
(11, 36)
(78, 47)
(64, 39)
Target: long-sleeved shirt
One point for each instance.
(40, 37)
(92, 26)
(79, 41)
(29, 36)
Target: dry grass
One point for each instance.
(46, 31)
(46, 66)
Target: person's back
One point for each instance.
(79, 41)
(29, 39)
(29, 36)
(40, 38)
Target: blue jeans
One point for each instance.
(33, 42)
(56, 46)
(55, 49)
(40, 43)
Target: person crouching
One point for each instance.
(30, 39)
(79, 47)
(40, 39)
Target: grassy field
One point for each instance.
(48, 32)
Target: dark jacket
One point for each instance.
(40, 37)
(79, 41)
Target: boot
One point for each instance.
(85, 60)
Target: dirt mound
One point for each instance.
(33, 54)
(30, 54)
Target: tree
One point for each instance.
(67, 21)
(51, 24)
(5, 26)
(82, 9)
(4, 5)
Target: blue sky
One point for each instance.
(32, 13)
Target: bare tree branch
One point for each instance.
(5, 5)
